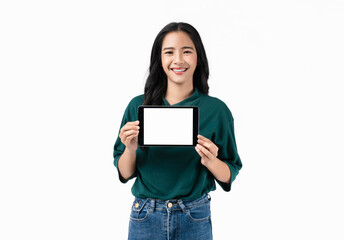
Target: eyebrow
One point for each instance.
(186, 47)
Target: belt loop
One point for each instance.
(182, 206)
(209, 197)
(152, 202)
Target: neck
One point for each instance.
(177, 93)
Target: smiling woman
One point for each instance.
(172, 183)
(177, 46)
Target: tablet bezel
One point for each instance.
(140, 114)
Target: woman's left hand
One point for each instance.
(206, 149)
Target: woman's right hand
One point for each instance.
(129, 135)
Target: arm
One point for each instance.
(224, 170)
(219, 169)
(127, 163)
(214, 157)
(208, 152)
(125, 151)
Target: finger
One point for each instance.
(201, 137)
(205, 144)
(205, 151)
(210, 146)
(135, 123)
(200, 152)
(129, 133)
(127, 127)
(130, 138)
(130, 125)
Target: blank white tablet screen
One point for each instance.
(163, 126)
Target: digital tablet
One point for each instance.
(166, 126)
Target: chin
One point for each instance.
(176, 81)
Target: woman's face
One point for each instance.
(178, 57)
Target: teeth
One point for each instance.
(179, 70)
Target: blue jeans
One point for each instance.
(176, 219)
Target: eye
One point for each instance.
(187, 52)
(168, 52)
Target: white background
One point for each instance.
(68, 69)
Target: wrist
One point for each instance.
(130, 151)
(209, 163)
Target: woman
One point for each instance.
(172, 183)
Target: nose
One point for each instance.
(179, 59)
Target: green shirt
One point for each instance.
(176, 172)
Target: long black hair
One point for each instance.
(156, 84)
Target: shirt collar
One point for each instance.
(188, 101)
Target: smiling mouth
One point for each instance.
(179, 70)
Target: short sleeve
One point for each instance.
(130, 114)
(228, 152)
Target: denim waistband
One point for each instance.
(172, 204)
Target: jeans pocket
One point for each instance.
(199, 213)
(139, 210)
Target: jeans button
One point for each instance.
(169, 205)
